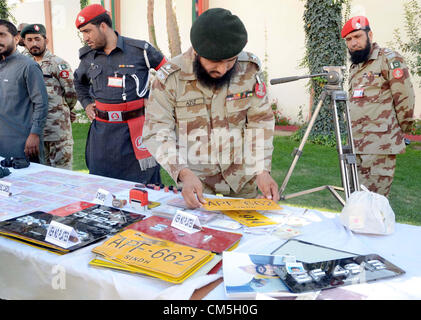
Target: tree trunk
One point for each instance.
(172, 30)
(151, 24)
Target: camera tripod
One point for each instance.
(346, 155)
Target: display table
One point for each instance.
(31, 273)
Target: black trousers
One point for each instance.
(109, 153)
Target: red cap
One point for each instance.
(355, 23)
(88, 13)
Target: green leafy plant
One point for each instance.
(84, 3)
(416, 130)
(280, 119)
(5, 11)
(324, 47)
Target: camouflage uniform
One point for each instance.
(188, 125)
(381, 107)
(58, 139)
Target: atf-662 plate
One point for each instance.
(136, 249)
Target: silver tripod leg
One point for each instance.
(342, 158)
(347, 160)
(299, 151)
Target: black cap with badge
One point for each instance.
(34, 29)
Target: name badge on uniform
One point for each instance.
(115, 82)
(358, 93)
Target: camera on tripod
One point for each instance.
(347, 158)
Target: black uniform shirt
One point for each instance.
(92, 77)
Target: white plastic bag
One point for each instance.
(368, 212)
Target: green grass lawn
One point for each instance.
(318, 166)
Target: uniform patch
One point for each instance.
(260, 90)
(62, 66)
(160, 75)
(238, 96)
(391, 55)
(397, 73)
(64, 74)
(395, 64)
(358, 93)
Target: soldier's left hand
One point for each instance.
(267, 186)
(32, 145)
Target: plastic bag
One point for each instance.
(368, 212)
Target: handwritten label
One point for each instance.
(61, 235)
(186, 222)
(103, 197)
(240, 204)
(5, 188)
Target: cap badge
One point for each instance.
(36, 28)
(81, 19)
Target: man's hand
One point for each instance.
(72, 116)
(90, 111)
(32, 145)
(267, 186)
(192, 189)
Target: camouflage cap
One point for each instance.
(217, 34)
(33, 28)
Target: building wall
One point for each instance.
(275, 28)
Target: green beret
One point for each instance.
(33, 28)
(217, 34)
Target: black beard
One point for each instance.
(9, 50)
(204, 78)
(37, 54)
(359, 56)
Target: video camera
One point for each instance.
(15, 163)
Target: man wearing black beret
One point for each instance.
(208, 121)
(58, 78)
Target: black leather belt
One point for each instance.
(119, 116)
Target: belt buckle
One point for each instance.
(115, 116)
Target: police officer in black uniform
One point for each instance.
(111, 83)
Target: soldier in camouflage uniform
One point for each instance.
(208, 120)
(58, 78)
(381, 105)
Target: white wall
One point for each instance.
(284, 46)
(275, 30)
(134, 22)
(65, 35)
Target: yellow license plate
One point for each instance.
(240, 204)
(136, 249)
(249, 218)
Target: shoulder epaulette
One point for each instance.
(389, 54)
(84, 50)
(163, 73)
(250, 57)
(141, 44)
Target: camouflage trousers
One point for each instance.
(217, 185)
(376, 171)
(59, 154)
